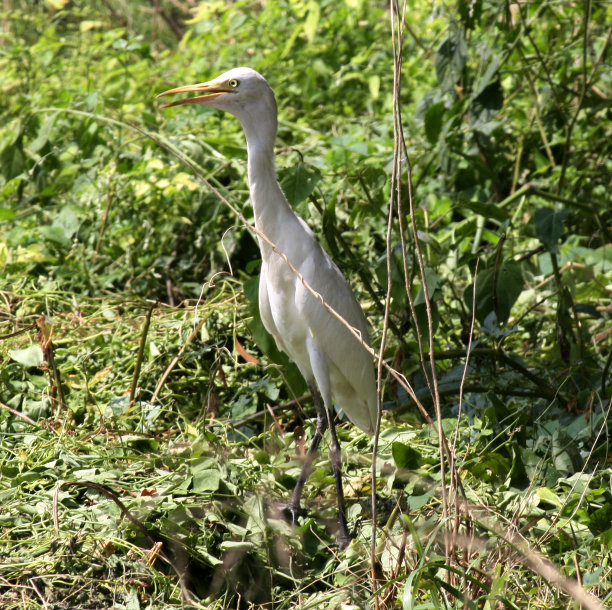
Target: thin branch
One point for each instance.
(468, 352)
(19, 414)
(140, 356)
(175, 360)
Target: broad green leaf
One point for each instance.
(405, 457)
(55, 234)
(433, 121)
(69, 221)
(298, 182)
(601, 518)
(490, 72)
(12, 160)
(593, 578)
(29, 357)
(491, 467)
(416, 502)
(432, 280)
(450, 59)
(206, 480)
(486, 107)
(549, 226)
(44, 133)
(499, 298)
(547, 495)
(600, 259)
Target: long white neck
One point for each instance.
(269, 203)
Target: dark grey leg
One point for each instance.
(344, 537)
(325, 418)
(294, 504)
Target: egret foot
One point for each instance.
(345, 537)
(292, 513)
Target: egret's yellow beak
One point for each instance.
(211, 89)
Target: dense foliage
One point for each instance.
(141, 400)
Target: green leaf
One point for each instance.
(490, 72)
(450, 59)
(601, 518)
(486, 107)
(44, 134)
(236, 545)
(374, 86)
(7, 214)
(600, 259)
(416, 502)
(31, 356)
(55, 234)
(548, 496)
(499, 298)
(68, 221)
(432, 280)
(491, 467)
(312, 20)
(12, 160)
(405, 457)
(549, 226)
(433, 121)
(298, 182)
(215, 562)
(206, 480)
(487, 210)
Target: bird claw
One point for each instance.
(345, 537)
(343, 541)
(293, 513)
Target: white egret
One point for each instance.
(334, 364)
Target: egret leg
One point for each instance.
(320, 369)
(335, 455)
(294, 504)
(325, 418)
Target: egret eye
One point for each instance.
(232, 83)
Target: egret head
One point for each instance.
(241, 92)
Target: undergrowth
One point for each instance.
(151, 432)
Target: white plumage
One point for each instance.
(328, 355)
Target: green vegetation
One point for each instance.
(150, 431)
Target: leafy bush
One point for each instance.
(142, 401)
